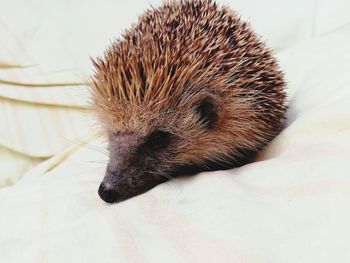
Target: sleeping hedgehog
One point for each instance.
(189, 88)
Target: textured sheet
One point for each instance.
(35, 122)
(291, 205)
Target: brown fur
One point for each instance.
(176, 56)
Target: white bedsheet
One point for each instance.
(291, 205)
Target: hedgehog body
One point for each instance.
(188, 88)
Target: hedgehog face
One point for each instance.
(151, 151)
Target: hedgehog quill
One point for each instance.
(189, 88)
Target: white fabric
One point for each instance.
(291, 205)
(65, 33)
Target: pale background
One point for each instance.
(291, 205)
(42, 25)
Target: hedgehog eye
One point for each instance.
(158, 139)
(208, 113)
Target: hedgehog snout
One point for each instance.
(133, 166)
(108, 189)
(116, 186)
(119, 186)
(107, 193)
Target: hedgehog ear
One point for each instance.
(208, 112)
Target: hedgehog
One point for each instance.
(188, 88)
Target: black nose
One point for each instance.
(108, 195)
